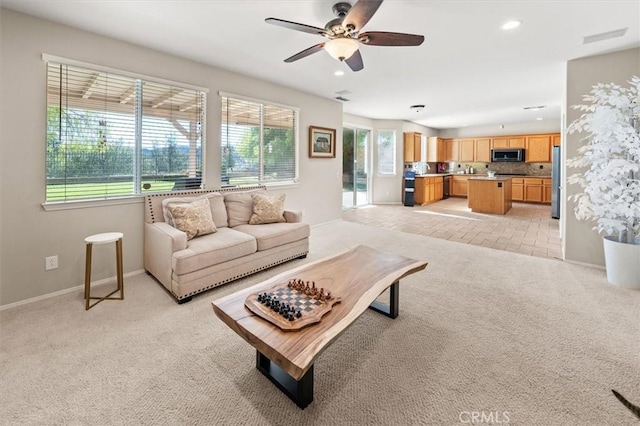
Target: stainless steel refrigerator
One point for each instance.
(555, 183)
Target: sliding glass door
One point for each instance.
(355, 167)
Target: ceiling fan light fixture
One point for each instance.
(341, 48)
(416, 108)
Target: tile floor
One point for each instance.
(526, 228)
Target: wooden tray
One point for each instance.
(312, 310)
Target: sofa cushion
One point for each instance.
(192, 218)
(225, 245)
(216, 202)
(240, 206)
(267, 209)
(275, 234)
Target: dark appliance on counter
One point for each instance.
(555, 182)
(446, 187)
(507, 155)
(409, 187)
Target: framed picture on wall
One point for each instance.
(322, 142)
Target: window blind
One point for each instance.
(110, 135)
(259, 142)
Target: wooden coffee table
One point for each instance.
(358, 276)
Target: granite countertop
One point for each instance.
(496, 178)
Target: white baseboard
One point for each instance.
(66, 290)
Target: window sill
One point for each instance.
(84, 204)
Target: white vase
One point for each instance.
(623, 262)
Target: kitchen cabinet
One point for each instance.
(508, 142)
(428, 190)
(546, 191)
(555, 139)
(466, 150)
(538, 149)
(533, 190)
(451, 149)
(482, 150)
(459, 186)
(517, 141)
(517, 189)
(490, 195)
(436, 150)
(412, 147)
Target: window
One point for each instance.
(259, 142)
(111, 135)
(386, 152)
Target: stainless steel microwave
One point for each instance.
(507, 155)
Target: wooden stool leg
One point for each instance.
(87, 276)
(119, 267)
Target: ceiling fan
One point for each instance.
(344, 34)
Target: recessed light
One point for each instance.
(539, 119)
(511, 25)
(338, 73)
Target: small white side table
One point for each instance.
(109, 237)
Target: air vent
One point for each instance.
(340, 98)
(604, 36)
(535, 108)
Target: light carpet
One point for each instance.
(507, 338)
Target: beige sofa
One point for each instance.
(236, 249)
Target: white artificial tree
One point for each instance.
(611, 157)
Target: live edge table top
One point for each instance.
(358, 276)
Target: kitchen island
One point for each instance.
(490, 194)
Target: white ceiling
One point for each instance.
(467, 72)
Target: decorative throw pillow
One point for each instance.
(192, 218)
(267, 209)
(240, 206)
(216, 202)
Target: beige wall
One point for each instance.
(29, 234)
(582, 244)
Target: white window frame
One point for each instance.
(296, 142)
(138, 195)
(394, 153)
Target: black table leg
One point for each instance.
(392, 309)
(299, 391)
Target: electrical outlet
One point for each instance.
(51, 262)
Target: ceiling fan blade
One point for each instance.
(381, 38)
(359, 14)
(355, 61)
(295, 26)
(310, 51)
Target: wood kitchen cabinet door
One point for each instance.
(408, 148)
(533, 190)
(517, 189)
(517, 141)
(555, 139)
(451, 149)
(546, 191)
(417, 146)
(538, 149)
(466, 149)
(439, 188)
(459, 186)
(482, 150)
(499, 143)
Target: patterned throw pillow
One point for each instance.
(267, 209)
(193, 218)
